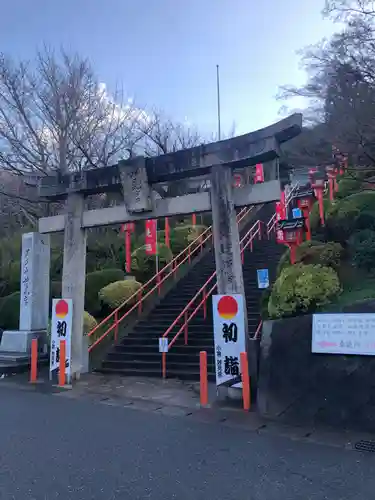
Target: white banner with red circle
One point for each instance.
(61, 329)
(229, 336)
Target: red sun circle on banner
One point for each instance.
(61, 308)
(227, 307)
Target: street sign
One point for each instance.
(229, 336)
(344, 334)
(163, 344)
(297, 213)
(61, 329)
(263, 278)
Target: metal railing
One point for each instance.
(201, 297)
(136, 302)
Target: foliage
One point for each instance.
(301, 289)
(56, 289)
(181, 235)
(89, 322)
(362, 249)
(144, 264)
(353, 213)
(95, 281)
(314, 214)
(264, 303)
(10, 311)
(306, 248)
(324, 254)
(115, 294)
(348, 186)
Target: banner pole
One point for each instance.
(156, 247)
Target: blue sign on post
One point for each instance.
(263, 278)
(297, 212)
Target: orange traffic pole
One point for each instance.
(203, 378)
(34, 361)
(245, 381)
(62, 363)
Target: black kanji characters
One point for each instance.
(61, 328)
(231, 365)
(230, 332)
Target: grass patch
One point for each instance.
(363, 289)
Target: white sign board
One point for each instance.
(61, 329)
(263, 278)
(229, 335)
(344, 334)
(163, 344)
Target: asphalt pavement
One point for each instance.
(60, 448)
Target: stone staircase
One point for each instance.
(138, 353)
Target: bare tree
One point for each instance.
(161, 135)
(54, 115)
(341, 81)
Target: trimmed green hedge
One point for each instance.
(362, 249)
(181, 235)
(89, 322)
(347, 186)
(94, 283)
(144, 264)
(314, 252)
(115, 294)
(301, 289)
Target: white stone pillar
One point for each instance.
(34, 295)
(74, 272)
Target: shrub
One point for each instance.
(95, 281)
(324, 254)
(105, 250)
(348, 186)
(314, 214)
(89, 322)
(144, 264)
(10, 311)
(265, 296)
(181, 236)
(362, 249)
(301, 289)
(115, 294)
(304, 251)
(353, 213)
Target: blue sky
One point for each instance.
(164, 52)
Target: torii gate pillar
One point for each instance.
(74, 277)
(225, 233)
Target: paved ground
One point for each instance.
(53, 446)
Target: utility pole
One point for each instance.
(218, 102)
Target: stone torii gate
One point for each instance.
(135, 177)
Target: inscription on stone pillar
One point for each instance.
(34, 296)
(136, 190)
(225, 230)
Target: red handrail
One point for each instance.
(160, 278)
(255, 230)
(257, 331)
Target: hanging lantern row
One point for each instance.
(290, 232)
